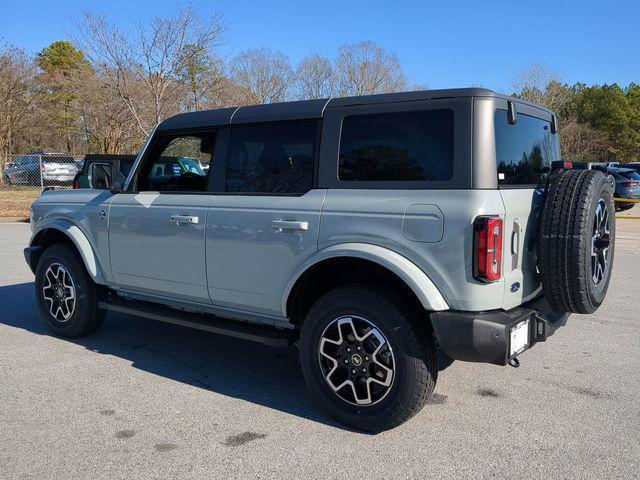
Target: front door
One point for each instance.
(265, 224)
(157, 232)
(157, 244)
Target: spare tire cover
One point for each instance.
(576, 240)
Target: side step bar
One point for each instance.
(209, 323)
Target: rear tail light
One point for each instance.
(630, 184)
(487, 248)
(76, 183)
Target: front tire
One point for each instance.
(67, 296)
(367, 359)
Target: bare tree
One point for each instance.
(264, 73)
(580, 142)
(365, 68)
(315, 77)
(18, 96)
(540, 85)
(143, 70)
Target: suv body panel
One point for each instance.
(152, 254)
(250, 259)
(77, 214)
(521, 204)
(376, 217)
(245, 267)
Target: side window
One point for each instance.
(524, 151)
(179, 163)
(100, 176)
(272, 158)
(397, 146)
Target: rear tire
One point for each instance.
(67, 296)
(576, 240)
(406, 358)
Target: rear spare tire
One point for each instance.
(576, 240)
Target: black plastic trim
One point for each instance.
(210, 323)
(32, 255)
(485, 336)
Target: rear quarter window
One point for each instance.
(397, 146)
(524, 151)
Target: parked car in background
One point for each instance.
(634, 165)
(627, 186)
(600, 166)
(103, 171)
(41, 168)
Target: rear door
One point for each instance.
(157, 233)
(265, 221)
(524, 153)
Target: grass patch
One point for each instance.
(15, 202)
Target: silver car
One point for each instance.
(367, 231)
(42, 168)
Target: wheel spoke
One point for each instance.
(356, 360)
(59, 292)
(600, 243)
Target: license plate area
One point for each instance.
(519, 338)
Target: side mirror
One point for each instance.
(100, 176)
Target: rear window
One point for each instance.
(630, 175)
(399, 146)
(524, 151)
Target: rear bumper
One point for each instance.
(486, 336)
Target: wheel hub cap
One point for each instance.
(59, 292)
(600, 242)
(356, 360)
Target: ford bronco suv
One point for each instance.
(368, 231)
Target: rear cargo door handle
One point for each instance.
(184, 220)
(289, 225)
(515, 246)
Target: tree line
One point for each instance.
(103, 90)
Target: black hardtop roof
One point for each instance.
(311, 109)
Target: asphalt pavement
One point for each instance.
(141, 399)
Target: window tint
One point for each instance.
(524, 151)
(125, 167)
(402, 146)
(275, 158)
(178, 164)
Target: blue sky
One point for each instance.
(441, 44)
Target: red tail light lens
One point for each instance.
(487, 247)
(630, 184)
(76, 183)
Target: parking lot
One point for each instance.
(141, 399)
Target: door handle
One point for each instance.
(291, 225)
(184, 220)
(515, 246)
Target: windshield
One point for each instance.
(192, 166)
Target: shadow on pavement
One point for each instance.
(256, 373)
